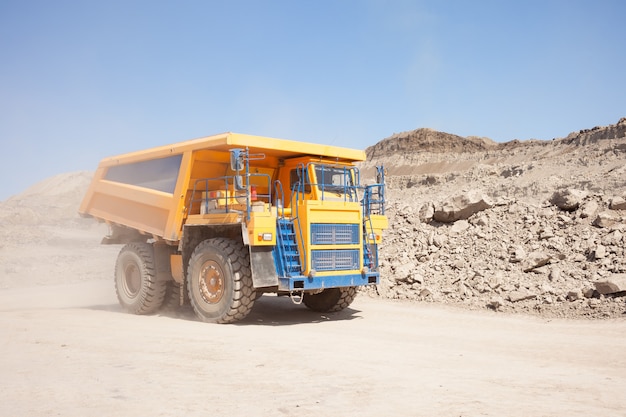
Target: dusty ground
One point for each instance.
(67, 349)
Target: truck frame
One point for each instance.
(218, 221)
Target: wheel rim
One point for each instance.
(132, 279)
(211, 282)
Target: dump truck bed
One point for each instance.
(149, 190)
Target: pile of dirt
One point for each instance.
(527, 251)
(43, 240)
(50, 201)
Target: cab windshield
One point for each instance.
(334, 179)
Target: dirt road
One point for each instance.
(68, 350)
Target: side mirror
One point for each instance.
(236, 159)
(239, 183)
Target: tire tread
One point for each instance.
(150, 296)
(242, 299)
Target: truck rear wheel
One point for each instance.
(331, 299)
(219, 281)
(136, 285)
(171, 301)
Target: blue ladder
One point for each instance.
(288, 249)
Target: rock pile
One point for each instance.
(511, 232)
(510, 257)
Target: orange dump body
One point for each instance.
(157, 191)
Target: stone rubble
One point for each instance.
(536, 228)
(547, 262)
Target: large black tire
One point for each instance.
(136, 285)
(171, 301)
(331, 299)
(219, 281)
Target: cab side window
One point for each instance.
(295, 182)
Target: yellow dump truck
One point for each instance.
(220, 220)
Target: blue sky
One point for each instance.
(82, 80)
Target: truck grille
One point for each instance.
(334, 234)
(335, 260)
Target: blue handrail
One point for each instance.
(227, 185)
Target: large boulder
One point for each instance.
(613, 284)
(568, 199)
(407, 273)
(535, 260)
(462, 207)
(426, 212)
(605, 219)
(589, 209)
(618, 203)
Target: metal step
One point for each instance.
(288, 247)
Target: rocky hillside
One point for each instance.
(523, 226)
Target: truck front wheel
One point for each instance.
(331, 299)
(136, 285)
(219, 281)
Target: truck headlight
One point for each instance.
(266, 237)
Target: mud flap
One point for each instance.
(162, 255)
(263, 267)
